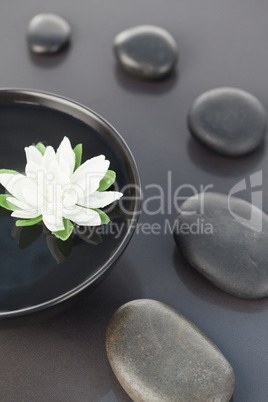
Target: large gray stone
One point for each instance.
(227, 243)
(159, 356)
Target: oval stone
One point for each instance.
(226, 240)
(146, 51)
(48, 33)
(158, 355)
(229, 121)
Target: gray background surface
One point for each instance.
(222, 43)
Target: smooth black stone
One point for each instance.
(146, 51)
(230, 254)
(229, 121)
(158, 355)
(48, 33)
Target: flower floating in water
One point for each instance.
(57, 189)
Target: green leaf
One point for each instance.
(104, 218)
(8, 171)
(29, 222)
(41, 147)
(107, 180)
(6, 204)
(78, 155)
(66, 232)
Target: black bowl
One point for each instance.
(37, 272)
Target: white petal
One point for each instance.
(101, 199)
(19, 204)
(48, 158)
(53, 223)
(33, 169)
(70, 196)
(33, 155)
(18, 185)
(90, 173)
(66, 156)
(9, 180)
(34, 197)
(58, 175)
(25, 214)
(82, 216)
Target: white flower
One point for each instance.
(52, 189)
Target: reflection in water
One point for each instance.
(36, 266)
(89, 234)
(19, 269)
(59, 249)
(25, 236)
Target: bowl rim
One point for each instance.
(80, 112)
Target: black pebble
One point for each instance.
(48, 33)
(146, 51)
(229, 121)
